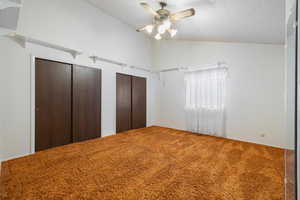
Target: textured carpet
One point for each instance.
(148, 164)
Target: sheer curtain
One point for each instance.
(205, 101)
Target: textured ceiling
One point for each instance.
(258, 21)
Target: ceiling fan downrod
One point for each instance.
(162, 4)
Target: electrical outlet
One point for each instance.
(263, 135)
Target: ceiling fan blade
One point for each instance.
(183, 14)
(141, 29)
(147, 7)
(147, 28)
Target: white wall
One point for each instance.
(77, 24)
(14, 100)
(255, 99)
(74, 24)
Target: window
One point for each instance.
(205, 100)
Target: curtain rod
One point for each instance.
(202, 67)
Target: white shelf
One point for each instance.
(96, 58)
(23, 40)
(9, 4)
(141, 69)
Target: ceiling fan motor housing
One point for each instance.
(163, 15)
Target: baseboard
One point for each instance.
(226, 137)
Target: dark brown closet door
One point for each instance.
(123, 108)
(53, 104)
(86, 103)
(139, 111)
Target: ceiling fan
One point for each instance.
(164, 20)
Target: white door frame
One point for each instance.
(32, 104)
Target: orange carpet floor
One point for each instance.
(148, 164)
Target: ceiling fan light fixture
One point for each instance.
(162, 28)
(167, 24)
(158, 36)
(172, 32)
(149, 28)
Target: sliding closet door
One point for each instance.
(123, 107)
(53, 104)
(86, 103)
(139, 102)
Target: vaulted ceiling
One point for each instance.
(257, 21)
